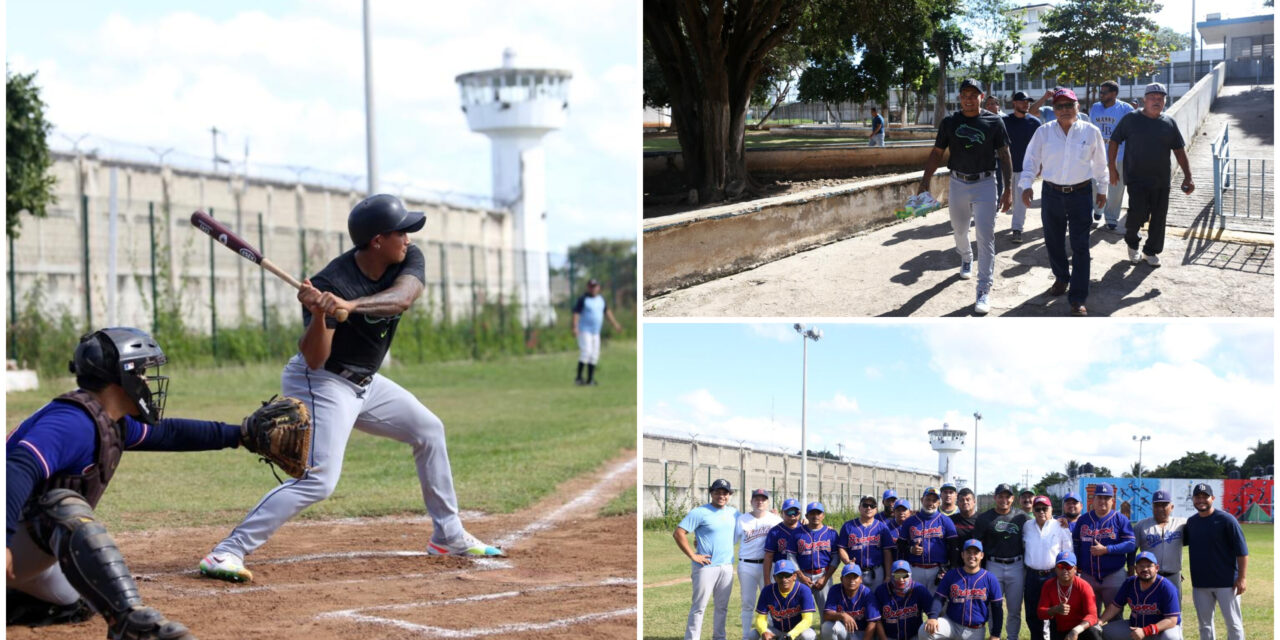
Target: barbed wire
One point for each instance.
(776, 449)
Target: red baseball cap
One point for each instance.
(1064, 93)
(1042, 500)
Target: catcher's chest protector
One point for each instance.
(110, 447)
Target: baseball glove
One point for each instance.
(280, 432)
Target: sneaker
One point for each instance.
(145, 623)
(579, 381)
(225, 566)
(1079, 310)
(469, 545)
(1134, 256)
(1153, 260)
(966, 270)
(1017, 237)
(592, 382)
(1097, 220)
(983, 306)
(1112, 228)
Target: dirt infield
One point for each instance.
(359, 579)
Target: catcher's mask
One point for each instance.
(122, 355)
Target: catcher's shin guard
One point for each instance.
(25, 610)
(145, 623)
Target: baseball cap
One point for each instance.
(1070, 496)
(759, 492)
(593, 282)
(1064, 93)
(851, 568)
(866, 499)
(1067, 557)
(902, 504)
(1026, 492)
(1160, 496)
(1042, 500)
(815, 506)
(971, 83)
(783, 566)
(1104, 489)
(889, 493)
(973, 543)
(929, 491)
(900, 565)
(1004, 488)
(790, 503)
(947, 485)
(1148, 556)
(1156, 87)
(721, 483)
(1020, 95)
(1202, 488)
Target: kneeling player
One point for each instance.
(785, 608)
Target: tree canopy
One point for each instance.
(1261, 455)
(28, 184)
(1199, 464)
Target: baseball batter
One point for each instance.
(925, 537)
(1102, 538)
(785, 608)
(904, 603)
(972, 599)
(814, 545)
(868, 543)
(850, 610)
(336, 373)
(589, 314)
(58, 464)
(749, 533)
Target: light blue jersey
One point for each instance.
(714, 528)
(1106, 119)
(590, 310)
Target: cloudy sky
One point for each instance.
(1048, 391)
(287, 77)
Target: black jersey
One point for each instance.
(360, 343)
(972, 141)
(1001, 535)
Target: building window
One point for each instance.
(1252, 47)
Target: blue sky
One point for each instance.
(288, 78)
(1048, 391)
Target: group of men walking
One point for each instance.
(995, 159)
(947, 571)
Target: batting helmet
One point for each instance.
(121, 355)
(381, 213)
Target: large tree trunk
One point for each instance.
(940, 108)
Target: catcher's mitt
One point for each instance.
(280, 432)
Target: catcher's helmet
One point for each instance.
(379, 214)
(122, 355)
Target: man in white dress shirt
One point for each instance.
(1042, 541)
(749, 533)
(1071, 157)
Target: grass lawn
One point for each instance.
(516, 428)
(666, 605)
(760, 141)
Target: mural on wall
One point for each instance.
(1237, 495)
(1133, 496)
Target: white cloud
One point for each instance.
(704, 404)
(873, 373)
(840, 403)
(779, 331)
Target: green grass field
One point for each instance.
(759, 141)
(666, 605)
(516, 428)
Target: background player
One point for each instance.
(785, 608)
(749, 533)
(58, 464)
(971, 598)
(850, 610)
(589, 314)
(888, 499)
(336, 374)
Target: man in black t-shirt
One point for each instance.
(1000, 530)
(975, 139)
(1149, 135)
(1219, 557)
(336, 374)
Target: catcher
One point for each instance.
(62, 565)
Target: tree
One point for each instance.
(612, 262)
(1262, 455)
(1053, 477)
(995, 32)
(710, 54)
(1193, 465)
(1172, 40)
(1073, 468)
(947, 42)
(28, 183)
(781, 70)
(1136, 471)
(1103, 472)
(1120, 41)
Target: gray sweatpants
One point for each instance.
(975, 200)
(836, 631)
(750, 583)
(1226, 598)
(708, 581)
(1019, 210)
(1115, 193)
(337, 405)
(1011, 578)
(1105, 590)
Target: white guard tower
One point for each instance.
(947, 442)
(516, 108)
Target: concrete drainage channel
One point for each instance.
(685, 249)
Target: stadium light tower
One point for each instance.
(976, 417)
(516, 108)
(814, 334)
(1140, 440)
(947, 442)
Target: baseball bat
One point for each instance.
(230, 240)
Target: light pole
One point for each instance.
(814, 334)
(1140, 441)
(976, 417)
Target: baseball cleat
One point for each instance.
(468, 546)
(225, 567)
(145, 623)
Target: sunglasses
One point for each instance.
(901, 576)
(868, 505)
(1064, 566)
(1064, 106)
(791, 512)
(1042, 508)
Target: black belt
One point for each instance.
(343, 372)
(1043, 572)
(1006, 560)
(1168, 574)
(1068, 188)
(972, 177)
(751, 561)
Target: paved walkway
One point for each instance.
(1248, 111)
(911, 269)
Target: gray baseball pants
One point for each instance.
(807, 634)
(948, 630)
(750, 583)
(1226, 598)
(837, 631)
(1118, 629)
(708, 581)
(975, 200)
(1011, 578)
(1105, 590)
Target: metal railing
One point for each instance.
(1227, 178)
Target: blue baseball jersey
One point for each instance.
(1151, 605)
(67, 440)
(865, 544)
(861, 606)
(967, 596)
(590, 310)
(902, 617)
(1106, 119)
(1112, 530)
(780, 542)
(785, 611)
(813, 547)
(714, 529)
(932, 532)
